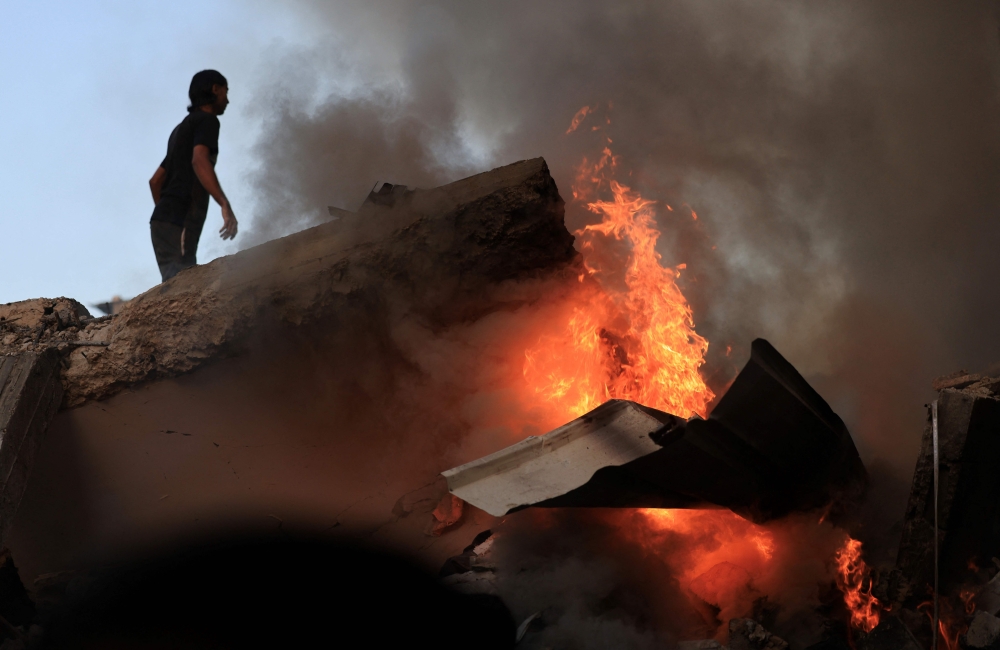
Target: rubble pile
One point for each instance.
(772, 446)
(433, 254)
(43, 324)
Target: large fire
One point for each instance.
(630, 334)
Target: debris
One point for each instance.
(475, 557)
(958, 379)
(968, 496)
(984, 631)
(446, 515)
(113, 306)
(747, 634)
(30, 393)
(988, 597)
(387, 195)
(770, 447)
(430, 251)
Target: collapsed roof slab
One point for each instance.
(771, 446)
(270, 388)
(434, 254)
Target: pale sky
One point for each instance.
(91, 91)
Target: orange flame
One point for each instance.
(631, 335)
(951, 624)
(854, 581)
(578, 118)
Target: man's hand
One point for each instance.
(205, 172)
(229, 225)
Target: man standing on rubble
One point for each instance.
(186, 178)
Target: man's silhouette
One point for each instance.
(186, 178)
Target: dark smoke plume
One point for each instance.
(841, 159)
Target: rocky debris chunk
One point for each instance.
(50, 323)
(475, 557)
(747, 634)
(969, 383)
(984, 631)
(957, 379)
(968, 498)
(988, 598)
(474, 571)
(32, 313)
(442, 255)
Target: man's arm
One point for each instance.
(206, 175)
(156, 183)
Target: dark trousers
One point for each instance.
(175, 247)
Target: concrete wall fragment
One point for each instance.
(30, 394)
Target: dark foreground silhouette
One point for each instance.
(241, 593)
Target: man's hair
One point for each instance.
(200, 91)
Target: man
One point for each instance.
(186, 178)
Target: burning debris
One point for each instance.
(754, 560)
(771, 447)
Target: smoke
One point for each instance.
(841, 159)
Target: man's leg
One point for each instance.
(167, 247)
(192, 234)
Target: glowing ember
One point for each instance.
(854, 581)
(631, 335)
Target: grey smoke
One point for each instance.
(842, 159)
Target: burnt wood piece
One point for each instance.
(968, 496)
(30, 393)
(771, 446)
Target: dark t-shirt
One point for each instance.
(182, 198)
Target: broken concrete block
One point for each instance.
(747, 634)
(958, 379)
(968, 496)
(434, 255)
(770, 447)
(983, 632)
(30, 394)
